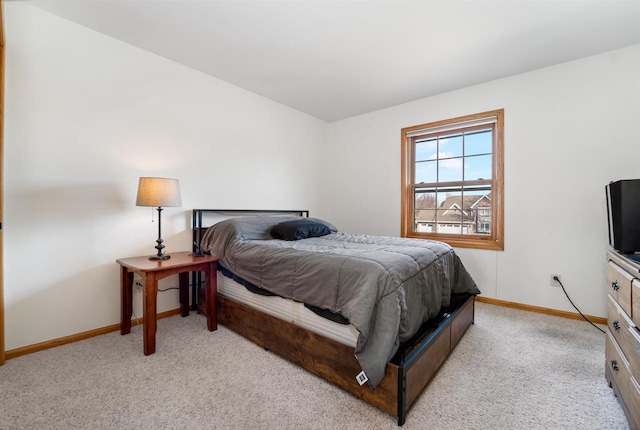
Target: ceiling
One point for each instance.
(337, 59)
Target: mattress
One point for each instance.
(288, 310)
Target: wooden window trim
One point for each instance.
(495, 241)
(2, 64)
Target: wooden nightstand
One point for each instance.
(152, 271)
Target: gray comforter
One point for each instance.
(386, 287)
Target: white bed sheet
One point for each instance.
(288, 310)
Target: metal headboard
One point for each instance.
(198, 215)
(198, 228)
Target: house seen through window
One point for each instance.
(452, 181)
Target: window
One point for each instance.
(452, 181)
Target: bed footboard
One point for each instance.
(335, 362)
(430, 351)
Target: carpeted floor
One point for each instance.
(512, 370)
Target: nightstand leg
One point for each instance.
(184, 293)
(126, 300)
(211, 280)
(149, 314)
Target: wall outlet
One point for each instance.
(553, 282)
(137, 285)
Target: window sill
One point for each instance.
(461, 242)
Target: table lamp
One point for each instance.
(159, 192)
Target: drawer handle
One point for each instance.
(616, 325)
(614, 365)
(615, 286)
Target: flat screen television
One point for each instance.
(623, 215)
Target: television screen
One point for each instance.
(623, 215)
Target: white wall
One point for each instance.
(569, 130)
(86, 116)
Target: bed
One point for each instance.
(407, 302)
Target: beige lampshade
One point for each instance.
(159, 192)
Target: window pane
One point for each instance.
(450, 200)
(424, 213)
(425, 199)
(450, 146)
(424, 226)
(450, 170)
(426, 149)
(426, 171)
(449, 221)
(479, 220)
(478, 142)
(478, 167)
(475, 195)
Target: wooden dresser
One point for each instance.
(623, 335)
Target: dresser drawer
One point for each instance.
(630, 344)
(619, 286)
(635, 302)
(619, 323)
(617, 366)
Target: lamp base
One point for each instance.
(159, 246)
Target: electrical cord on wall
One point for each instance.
(555, 278)
(177, 288)
(135, 316)
(139, 284)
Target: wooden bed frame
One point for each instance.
(407, 373)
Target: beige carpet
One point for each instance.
(512, 370)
